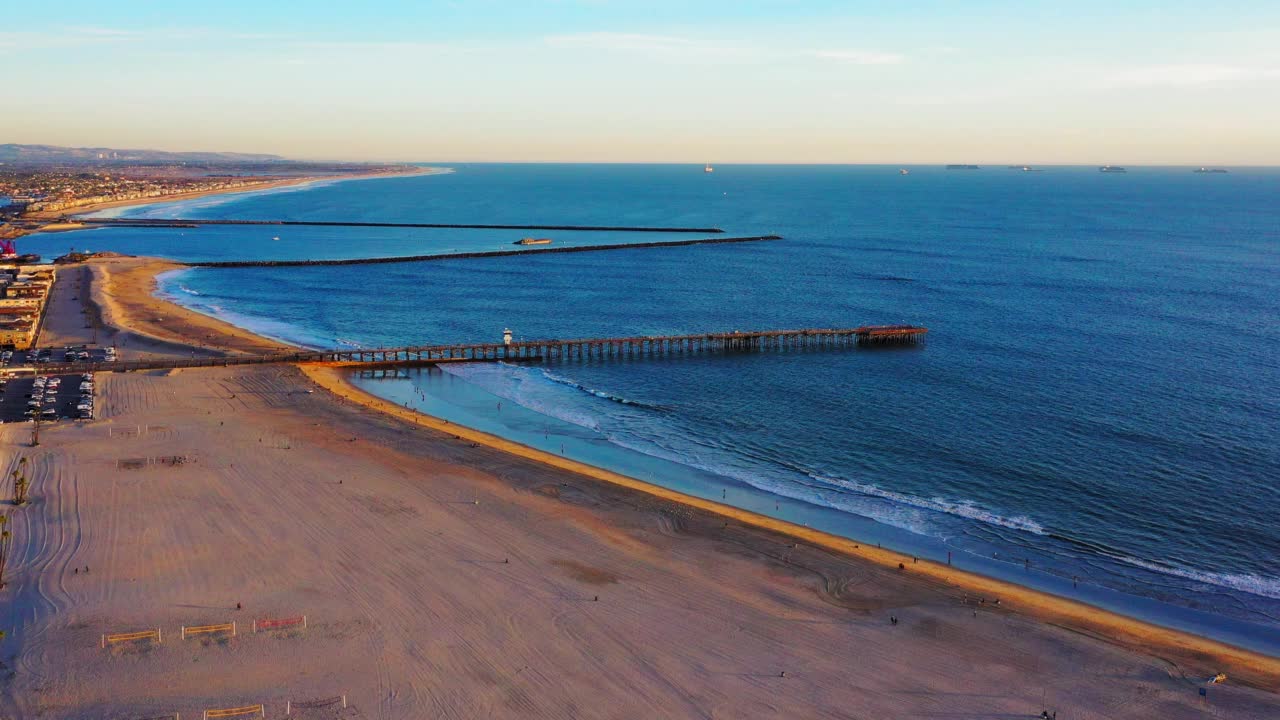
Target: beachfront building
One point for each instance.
(23, 293)
(17, 333)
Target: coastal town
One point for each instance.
(63, 190)
(41, 187)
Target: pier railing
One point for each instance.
(531, 350)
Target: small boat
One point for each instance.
(1221, 171)
(903, 171)
(1111, 169)
(963, 167)
(533, 241)
(277, 237)
(707, 168)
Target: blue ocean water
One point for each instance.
(1095, 410)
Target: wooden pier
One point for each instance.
(543, 350)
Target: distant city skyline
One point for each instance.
(988, 82)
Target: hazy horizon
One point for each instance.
(444, 163)
(805, 82)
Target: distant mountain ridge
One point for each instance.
(14, 153)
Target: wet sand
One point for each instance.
(449, 576)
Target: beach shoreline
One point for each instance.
(444, 571)
(1130, 632)
(174, 324)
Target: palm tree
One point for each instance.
(4, 547)
(20, 483)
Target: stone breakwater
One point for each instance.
(483, 254)
(196, 222)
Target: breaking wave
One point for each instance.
(960, 508)
(1244, 582)
(597, 393)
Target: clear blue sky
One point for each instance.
(657, 80)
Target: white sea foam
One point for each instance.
(592, 391)
(509, 382)
(1245, 582)
(959, 508)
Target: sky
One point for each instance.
(789, 81)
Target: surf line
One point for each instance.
(478, 254)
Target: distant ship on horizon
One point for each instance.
(1210, 170)
(1111, 169)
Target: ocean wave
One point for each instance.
(508, 382)
(188, 290)
(597, 393)
(1268, 587)
(960, 508)
(898, 510)
(769, 475)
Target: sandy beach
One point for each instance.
(447, 573)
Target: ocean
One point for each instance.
(1094, 413)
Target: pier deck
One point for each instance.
(535, 350)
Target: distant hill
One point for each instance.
(22, 154)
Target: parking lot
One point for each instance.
(45, 356)
(57, 397)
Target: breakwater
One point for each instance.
(481, 254)
(187, 223)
